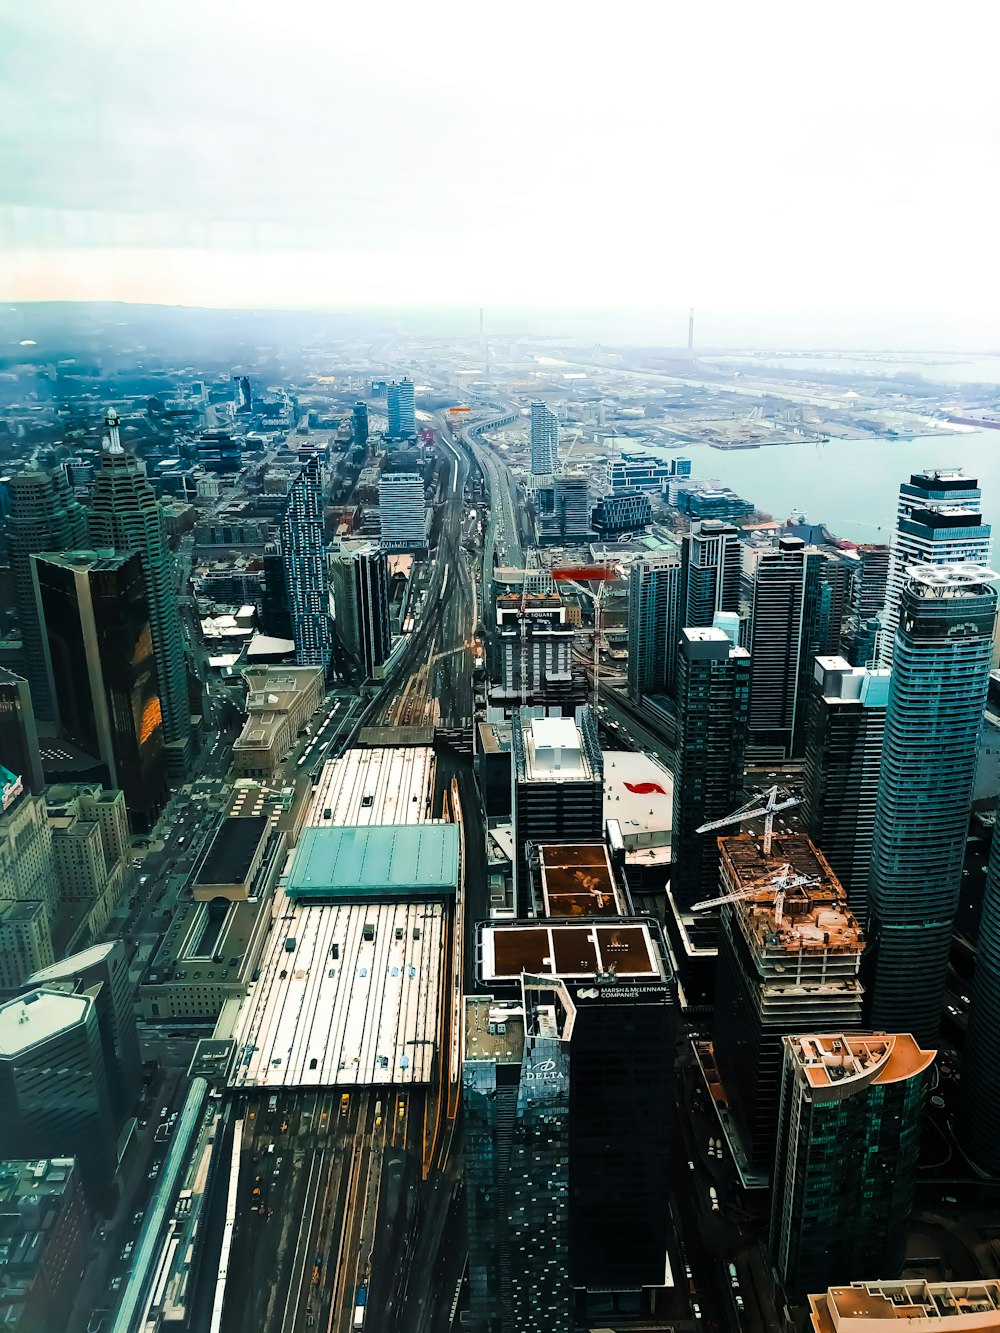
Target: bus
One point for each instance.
(359, 1307)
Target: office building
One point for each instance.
(27, 873)
(835, 577)
(939, 521)
(359, 583)
(932, 1307)
(280, 701)
(18, 734)
(654, 623)
(400, 409)
(402, 512)
(981, 1058)
(845, 727)
(534, 647)
(91, 851)
(557, 774)
(711, 571)
(359, 425)
(44, 516)
(586, 1197)
(713, 694)
(544, 440)
(126, 516)
(95, 613)
(274, 613)
(25, 941)
(54, 1094)
(625, 512)
(302, 547)
(632, 471)
(779, 972)
(849, 1127)
(937, 691)
(785, 637)
(708, 499)
(101, 973)
(866, 600)
(45, 1239)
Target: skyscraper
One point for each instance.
(302, 548)
(784, 639)
(54, 1094)
(843, 752)
(937, 691)
(779, 972)
(938, 521)
(535, 648)
(848, 1141)
(18, 736)
(654, 623)
(95, 616)
(359, 424)
(544, 440)
(713, 692)
(44, 516)
(981, 1059)
(126, 516)
(712, 567)
(402, 512)
(360, 585)
(400, 409)
(570, 516)
(869, 582)
(557, 772)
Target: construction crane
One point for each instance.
(781, 883)
(753, 810)
(603, 575)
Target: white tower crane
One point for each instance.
(781, 883)
(753, 810)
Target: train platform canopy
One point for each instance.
(375, 863)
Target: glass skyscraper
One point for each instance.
(304, 556)
(712, 566)
(400, 409)
(654, 623)
(978, 1127)
(937, 692)
(544, 440)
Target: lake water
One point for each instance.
(850, 485)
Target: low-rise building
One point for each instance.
(280, 700)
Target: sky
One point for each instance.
(821, 161)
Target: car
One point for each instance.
(137, 1218)
(345, 1102)
(740, 1303)
(734, 1277)
(713, 1198)
(116, 1283)
(690, 1166)
(695, 1310)
(126, 1252)
(402, 1110)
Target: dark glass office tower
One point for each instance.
(44, 516)
(359, 424)
(303, 550)
(937, 691)
(102, 669)
(848, 1141)
(713, 692)
(18, 735)
(360, 584)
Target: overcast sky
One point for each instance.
(753, 156)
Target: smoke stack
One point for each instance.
(691, 330)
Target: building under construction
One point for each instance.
(789, 954)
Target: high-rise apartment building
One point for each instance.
(981, 1059)
(44, 516)
(779, 972)
(843, 752)
(654, 623)
(713, 694)
(401, 410)
(18, 735)
(359, 582)
(54, 1094)
(869, 583)
(95, 614)
(544, 440)
(359, 425)
(711, 571)
(785, 636)
(849, 1127)
(570, 516)
(557, 772)
(535, 647)
(303, 551)
(126, 516)
(937, 691)
(402, 512)
(938, 522)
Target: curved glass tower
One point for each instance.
(937, 691)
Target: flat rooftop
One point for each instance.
(639, 793)
(493, 1031)
(388, 860)
(577, 880)
(36, 1017)
(232, 851)
(367, 1016)
(936, 1307)
(383, 785)
(554, 750)
(568, 951)
(837, 1059)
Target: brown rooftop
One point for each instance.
(568, 951)
(577, 880)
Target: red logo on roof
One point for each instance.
(646, 788)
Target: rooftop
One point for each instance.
(639, 793)
(577, 880)
(233, 849)
(383, 785)
(37, 1016)
(933, 1307)
(493, 1031)
(625, 948)
(554, 750)
(830, 1061)
(380, 859)
(73, 965)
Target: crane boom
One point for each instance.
(754, 810)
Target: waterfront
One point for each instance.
(850, 485)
